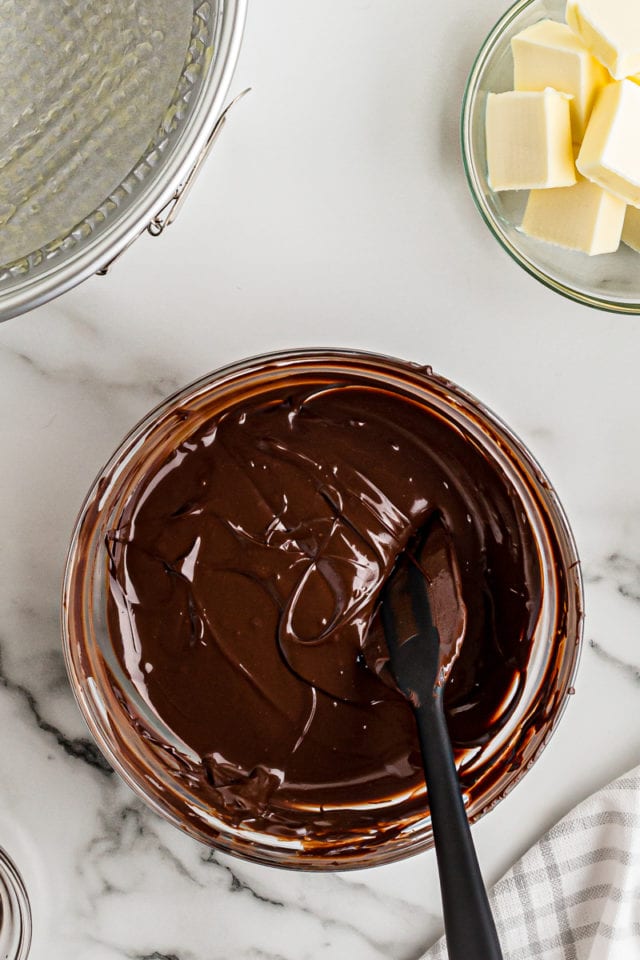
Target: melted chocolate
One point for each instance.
(244, 578)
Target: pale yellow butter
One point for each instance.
(529, 140)
(582, 217)
(611, 30)
(610, 151)
(631, 229)
(549, 54)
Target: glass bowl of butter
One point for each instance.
(551, 145)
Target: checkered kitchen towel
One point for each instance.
(576, 894)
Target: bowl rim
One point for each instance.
(457, 397)
(466, 138)
(157, 191)
(19, 917)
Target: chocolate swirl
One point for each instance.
(244, 578)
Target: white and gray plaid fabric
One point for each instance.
(576, 894)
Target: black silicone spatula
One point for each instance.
(423, 615)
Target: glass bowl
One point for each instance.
(608, 281)
(141, 748)
(15, 912)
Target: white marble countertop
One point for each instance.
(334, 212)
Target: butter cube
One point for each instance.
(529, 140)
(549, 54)
(631, 229)
(611, 30)
(583, 217)
(610, 151)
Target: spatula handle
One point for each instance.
(468, 921)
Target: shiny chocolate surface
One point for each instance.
(244, 575)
